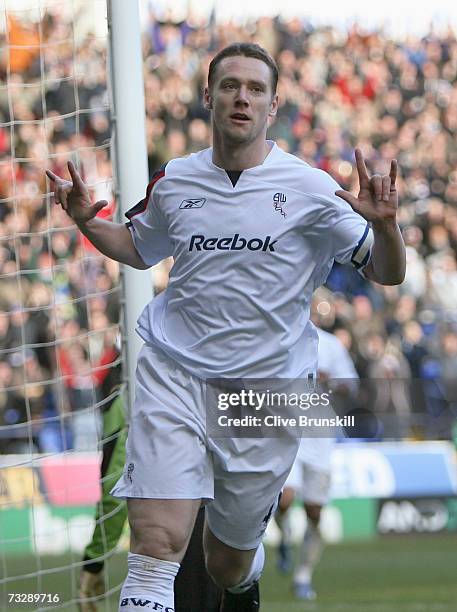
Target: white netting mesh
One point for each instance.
(59, 298)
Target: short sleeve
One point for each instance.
(350, 236)
(148, 226)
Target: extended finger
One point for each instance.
(99, 205)
(77, 180)
(376, 186)
(349, 198)
(59, 182)
(393, 172)
(362, 171)
(386, 187)
(53, 177)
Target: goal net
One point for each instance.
(60, 301)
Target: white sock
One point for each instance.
(310, 552)
(254, 573)
(149, 584)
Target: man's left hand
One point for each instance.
(377, 200)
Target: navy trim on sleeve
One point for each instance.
(142, 204)
(359, 245)
(365, 260)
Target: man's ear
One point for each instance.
(273, 106)
(207, 99)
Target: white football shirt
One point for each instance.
(247, 259)
(335, 362)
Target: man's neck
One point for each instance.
(240, 157)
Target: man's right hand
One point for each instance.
(74, 197)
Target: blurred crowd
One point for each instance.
(60, 298)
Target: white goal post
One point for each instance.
(130, 152)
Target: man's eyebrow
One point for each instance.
(237, 80)
(258, 83)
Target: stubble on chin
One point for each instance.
(238, 136)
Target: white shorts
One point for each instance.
(170, 456)
(311, 485)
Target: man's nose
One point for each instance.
(242, 95)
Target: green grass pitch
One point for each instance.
(394, 574)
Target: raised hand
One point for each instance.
(73, 196)
(378, 198)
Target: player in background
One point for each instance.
(253, 232)
(310, 477)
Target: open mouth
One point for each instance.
(239, 117)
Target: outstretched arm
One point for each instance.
(377, 202)
(112, 239)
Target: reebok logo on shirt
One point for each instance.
(235, 243)
(192, 203)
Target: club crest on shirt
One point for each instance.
(278, 200)
(192, 203)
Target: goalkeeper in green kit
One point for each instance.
(111, 513)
